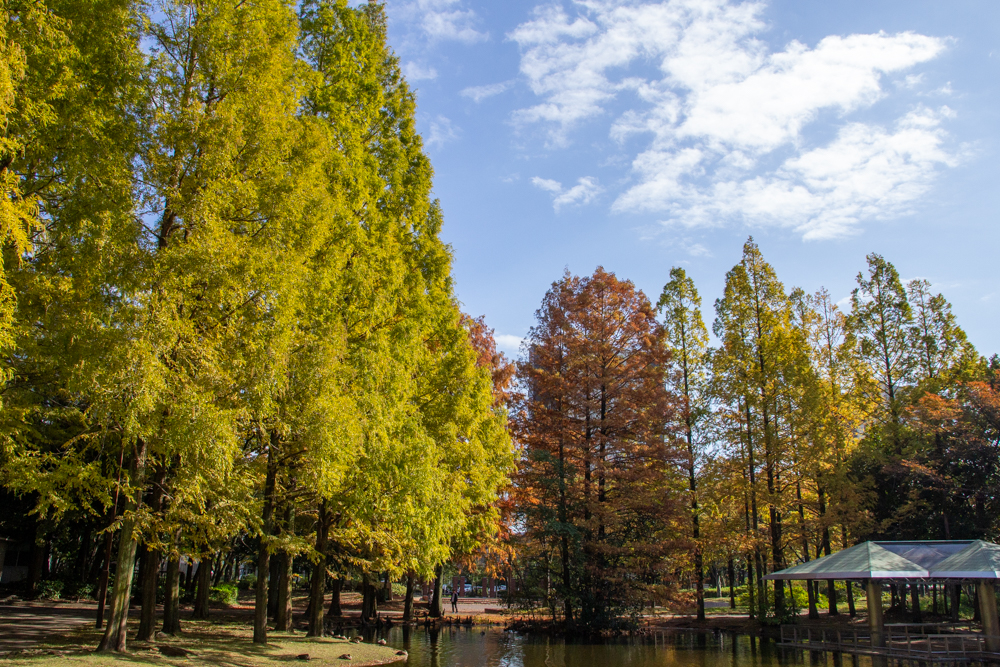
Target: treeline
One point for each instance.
(650, 457)
(228, 324)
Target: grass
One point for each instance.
(208, 643)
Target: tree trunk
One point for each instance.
(263, 551)
(220, 562)
(387, 589)
(204, 583)
(915, 598)
(318, 584)
(171, 595)
(273, 575)
(189, 580)
(369, 601)
(851, 610)
(335, 586)
(114, 638)
(283, 610)
(813, 612)
(102, 585)
(283, 617)
(408, 603)
(36, 559)
(437, 604)
(149, 576)
(732, 576)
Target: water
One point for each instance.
(474, 647)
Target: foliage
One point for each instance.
(235, 320)
(593, 489)
(224, 594)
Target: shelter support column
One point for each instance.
(873, 590)
(988, 614)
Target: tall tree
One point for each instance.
(687, 341)
(596, 427)
(881, 318)
(762, 355)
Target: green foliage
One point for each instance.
(233, 303)
(224, 593)
(51, 589)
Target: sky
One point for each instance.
(641, 135)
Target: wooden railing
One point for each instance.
(904, 641)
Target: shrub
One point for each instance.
(224, 593)
(248, 582)
(799, 601)
(50, 589)
(84, 592)
(399, 590)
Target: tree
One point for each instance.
(687, 342)
(881, 318)
(944, 354)
(595, 427)
(762, 362)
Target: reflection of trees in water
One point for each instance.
(491, 647)
(432, 636)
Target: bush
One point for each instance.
(799, 601)
(84, 592)
(224, 593)
(248, 582)
(50, 589)
(399, 590)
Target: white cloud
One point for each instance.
(508, 343)
(417, 72)
(546, 184)
(724, 117)
(584, 192)
(479, 93)
(441, 132)
(697, 250)
(440, 20)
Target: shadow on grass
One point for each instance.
(205, 642)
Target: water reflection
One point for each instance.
(492, 647)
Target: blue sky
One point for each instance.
(643, 135)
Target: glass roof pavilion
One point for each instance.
(954, 561)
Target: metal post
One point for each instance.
(873, 590)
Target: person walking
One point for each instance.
(454, 601)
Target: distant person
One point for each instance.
(454, 601)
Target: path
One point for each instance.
(23, 624)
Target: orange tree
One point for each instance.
(596, 487)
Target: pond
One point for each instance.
(493, 647)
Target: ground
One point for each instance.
(43, 634)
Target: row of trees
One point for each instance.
(227, 315)
(650, 455)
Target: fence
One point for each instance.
(903, 641)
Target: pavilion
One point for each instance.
(951, 561)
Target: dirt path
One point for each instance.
(24, 624)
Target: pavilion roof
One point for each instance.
(978, 560)
(889, 560)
